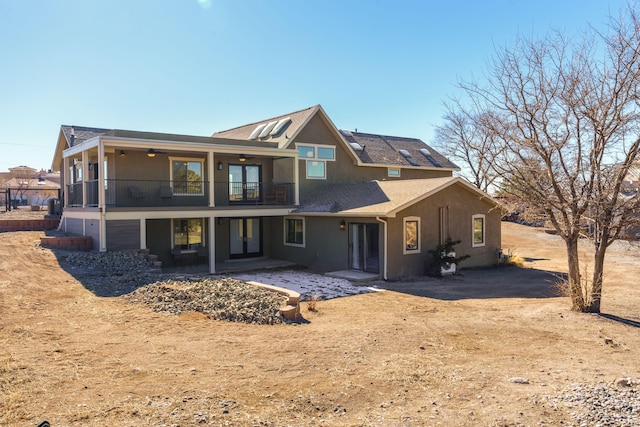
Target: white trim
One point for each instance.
(304, 231)
(203, 233)
(405, 220)
(394, 169)
(306, 169)
(315, 158)
(484, 237)
(200, 160)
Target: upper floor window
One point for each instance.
(316, 157)
(187, 176)
(411, 235)
(393, 172)
(478, 230)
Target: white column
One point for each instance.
(143, 233)
(85, 174)
(65, 183)
(212, 245)
(211, 168)
(296, 180)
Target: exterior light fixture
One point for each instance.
(151, 152)
(219, 165)
(242, 158)
(343, 225)
(122, 153)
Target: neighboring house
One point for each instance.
(292, 187)
(29, 186)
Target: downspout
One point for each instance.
(384, 247)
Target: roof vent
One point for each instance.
(346, 132)
(280, 126)
(356, 146)
(407, 156)
(267, 129)
(257, 131)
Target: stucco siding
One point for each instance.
(462, 205)
(344, 168)
(74, 225)
(92, 228)
(326, 247)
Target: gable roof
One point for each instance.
(378, 149)
(298, 120)
(378, 198)
(386, 150)
(78, 134)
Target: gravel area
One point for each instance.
(603, 405)
(130, 273)
(220, 299)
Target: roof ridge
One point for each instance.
(267, 120)
(387, 136)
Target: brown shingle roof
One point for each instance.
(385, 150)
(81, 133)
(298, 119)
(374, 198)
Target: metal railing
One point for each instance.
(152, 193)
(253, 193)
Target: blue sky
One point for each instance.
(199, 66)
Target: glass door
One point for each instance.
(364, 247)
(244, 183)
(245, 237)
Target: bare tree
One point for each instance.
(567, 115)
(466, 140)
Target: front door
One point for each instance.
(363, 244)
(245, 237)
(244, 183)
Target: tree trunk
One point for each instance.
(574, 280)
(595, 296)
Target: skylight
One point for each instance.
(426, 153)
(280, 126)
(346, 132)
(257, 131)
(356, 146)
(268, 128)
(407, 156)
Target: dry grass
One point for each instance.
(511, 259)
(378, 359)
(312, 304)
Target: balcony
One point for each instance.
(153, 193)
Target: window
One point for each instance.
(316, 157)
(187, 176)
(478, 230)
(411, 235)
(294, 232)
(188, 234)
(393, 172)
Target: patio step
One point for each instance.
(291, 311)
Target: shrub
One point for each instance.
(444, 256)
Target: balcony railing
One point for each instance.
(153, 193)
(253, 193)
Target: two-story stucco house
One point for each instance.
(292, 187)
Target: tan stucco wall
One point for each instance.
(463, 204)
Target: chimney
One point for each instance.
(73, 135)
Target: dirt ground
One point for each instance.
(427, 352)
